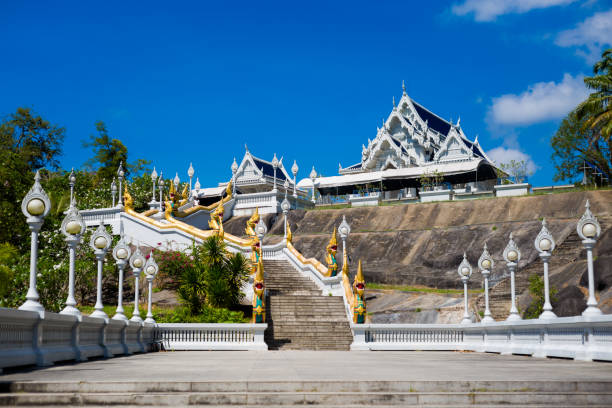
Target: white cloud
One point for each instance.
(593, 34)
(504, 155)
(541, 102)
(489, 10)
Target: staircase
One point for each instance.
(500, 299)
(299, 316)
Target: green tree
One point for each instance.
(515, 169)
(573, 144)
(108, 153)
(597, 109)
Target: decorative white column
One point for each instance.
(294, 170)
(161, 189)
(35, 206)
(485, 263)
(344, 229)
(120, 174)
(512, 256)
(114, 190)
(72, 228)
(137, 262)
(275, 166)
(153, 179)
(589, 230)
(121, 253)
(176, 180)
(261, 229)
(285, 206)
(234, 170)
(151, 270)
(190, 173)
(313, 176)
(71, 182)
(100, 242)
(545, 244)
(465, 271)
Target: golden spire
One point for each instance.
(289, 234)
(334, 240)
(359, 277)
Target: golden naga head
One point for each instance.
(258, 281)
(332, 247)
(252, 222)
(228, 191)
(359, 283)
(219, 211)
(289, 234)
(128, 201)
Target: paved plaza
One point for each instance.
(318, 365)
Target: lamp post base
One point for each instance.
(487, 319)
(513, 317)
(71, 310)
(99, 313)
(149, 320)
(466, 320)
(547, 314)
(136, 319)
(32, 305)
(120, 316)
(589, 311)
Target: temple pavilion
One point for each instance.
(412, 142)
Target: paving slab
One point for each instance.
(295, 365)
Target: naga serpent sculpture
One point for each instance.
(330, 258)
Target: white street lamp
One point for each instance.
(151, 270)
(100, 242)
(120, 175)
(589, 230)
(72, 228)
(121, 253)
(35, 206)
(154, 179)
(114, 189)
(294, 170)
(177, 180)
(545, 244)
(344, 229)
(137, 262)
(234, 171)
(512, 256)
(485, 263)
(161, 189)
(190, 173)
(71, 182)
(275, 166)
(313, 176)
(285, 206)
(465, 271)
(261, 229)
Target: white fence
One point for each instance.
(46, 337)
(109, 215)
(219, 336)
(580, 338)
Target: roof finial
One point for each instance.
(246, 148)
(394, 101)
(459, 121)
(403, 88)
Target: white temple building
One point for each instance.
(413, 142)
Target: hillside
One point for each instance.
(422, 244)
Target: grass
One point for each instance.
(422, 289)
(172, 314)
(158, 312)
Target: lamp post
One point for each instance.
(545, 244)
(589, 230)
(121, 253)
(261, 230)
(234, 171)
(275, 166)
(154, 179)
(285, 206)
(35, 206)
(344, 229)
(100, 242)
(161, 189)
(190, 173)
(120, 174)
(294, 170)
(197, 187)
(71, 182)
(137, 262)
(72, 228)
(114, 189)
(177, 180)
(485, 263)
(512, 256)
(313, 176)
(151, 270)
(465, 271)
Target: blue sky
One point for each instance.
(182, 82)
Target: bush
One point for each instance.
(536, 290)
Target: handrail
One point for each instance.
(319, 267)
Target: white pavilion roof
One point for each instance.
(446, 168)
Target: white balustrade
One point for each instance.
(43, 338)
(108, 215)
(578, 337)
(220, 336)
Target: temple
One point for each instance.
(414, 149)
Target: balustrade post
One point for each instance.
(72, 228)
(100, 242)
(465, 271)
(137, 262)
(589, 230)
(512, 256)
(151, 270)
(485, 263)
(121, 254)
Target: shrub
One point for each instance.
(536, 290)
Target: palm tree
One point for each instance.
(597, 109)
